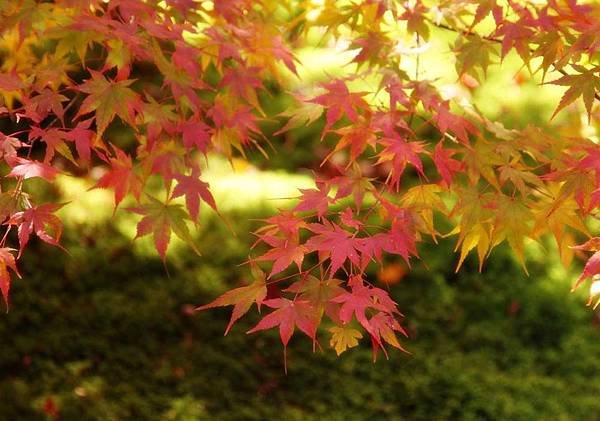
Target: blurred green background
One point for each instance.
(104, 333)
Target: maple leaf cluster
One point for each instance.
(189, 78)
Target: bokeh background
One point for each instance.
(105, 332)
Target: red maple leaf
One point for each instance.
(40, 220)
(334, 241)
(8, 148)
(284, 252)
(121, 177)
(193, 189)
(359, 299)
(287, 316)
(195, 133)
(446, 166)
(40, 106)
(83, 137)
(400, 152)
(447, 121)
(11, 82)
(29, 169)
(384, 327)
(54, 140)
(339, 101)
(591, 268)
(314, 200)
(285, 222)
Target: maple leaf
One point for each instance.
(576, 184)
(415, 20)
(399, 240)
(591, 161)
(195, 133)
(591, 268)
(193, 189)
(334, 241)
(300, 115)
(352, 184)
(343, 337)
(357, 137)
(166, 159)
(83, 138)
(40, 220)
(55, 142)
(243, 83)
(121, 177)
(472, 52)
(401, 152)
(284, 251)
(518, 177)
(585, 84)
(47, 101)
(476, 236)
(484, 7)
(118, 56)
(512, 223)
(360, 299)
(556, 215)
(285, 222)
(515, 35)
(7, 261)
(185, 58)
(446, 166)
(283, 53)
(314, 199)
(107, 99)
(475, 210)
(447, 121)
(29, 169)
(423, 200)
(160, 219)
(374, 48)
(347, 218)
(319, 292)
(593, 244)
(384, 327)
(289, 315)
(339, 101)
(241, 299)
(551, 48)
(11, 82)
(8, 148)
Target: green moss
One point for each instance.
(107, 335)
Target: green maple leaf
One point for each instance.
(586, 84)
(512, 224)
(107, 99)
(160, 219)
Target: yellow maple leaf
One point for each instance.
(343, 338)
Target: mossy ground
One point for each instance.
(107, 335)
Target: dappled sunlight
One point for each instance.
(241, 185)
(236, 186)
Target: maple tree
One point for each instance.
(187, 78)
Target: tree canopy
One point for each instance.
(405, 160)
